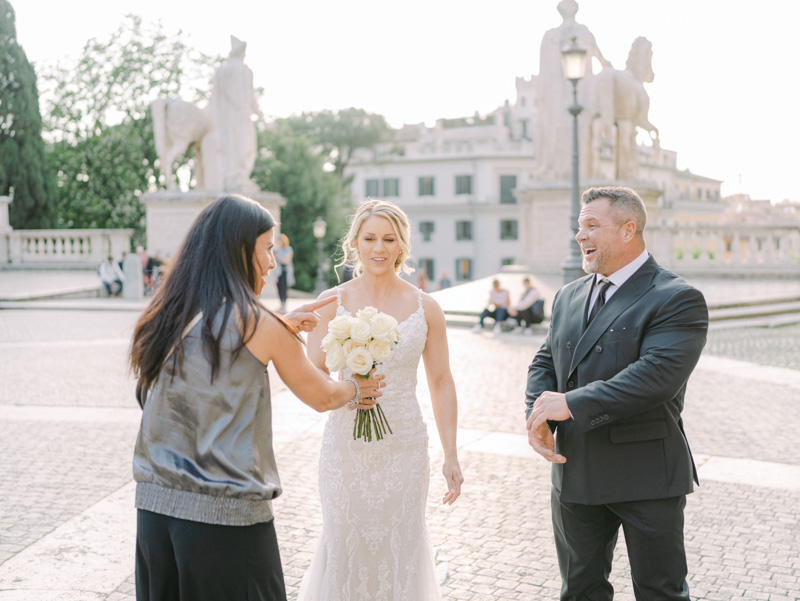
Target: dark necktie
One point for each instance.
(599, 302)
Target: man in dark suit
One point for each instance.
(609, 382)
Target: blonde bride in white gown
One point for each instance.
(374, 544)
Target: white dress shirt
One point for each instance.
(617, 279)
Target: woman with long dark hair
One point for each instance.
(203, 461)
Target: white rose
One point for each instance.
(380, 350)
(367, 313)
(360, 330)
(328, 342)
(339, 327)
(334, 357)
(360, 361)
(382, 327)
(349, 345)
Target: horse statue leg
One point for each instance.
(158, 111)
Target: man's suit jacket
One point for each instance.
(625, 378)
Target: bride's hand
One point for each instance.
(453, 478)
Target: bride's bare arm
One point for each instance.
(443, 395)
(326, 313)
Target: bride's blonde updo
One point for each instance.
(395, 216)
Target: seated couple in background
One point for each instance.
(529, 310)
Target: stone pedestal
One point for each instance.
(546, 229)
(170, 214)
(134, 283)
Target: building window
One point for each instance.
(372, 188)
(508, 229)
(463, 230)
(699, 193)
(426, 265)
(507, 184)
(426, 186)
(506, 261)
(391, 187)
(463, 269)
(463, 184)
(426, 228)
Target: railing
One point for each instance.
(731, 249)
(62, 248)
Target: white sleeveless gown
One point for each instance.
(374, 544)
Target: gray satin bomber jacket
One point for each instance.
(204, 450)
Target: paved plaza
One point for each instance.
(69, 419)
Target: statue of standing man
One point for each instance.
(229, 149)
(554, 150)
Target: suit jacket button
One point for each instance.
(598, 349)
(593, 422)
(570, 384)
(605, 418)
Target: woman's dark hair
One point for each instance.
(214, 264)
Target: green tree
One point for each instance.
(291, 164)
(340, 133)
(99, 123)
(23, 165)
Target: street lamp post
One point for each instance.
(319, 227)
(573, 60)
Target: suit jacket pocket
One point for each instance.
(639, 431)
(619, 333)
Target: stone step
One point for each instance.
(776, 312)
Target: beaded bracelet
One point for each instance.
(357, 398)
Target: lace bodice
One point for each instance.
(374, 544)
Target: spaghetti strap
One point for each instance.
(419, 298)
(338, 297)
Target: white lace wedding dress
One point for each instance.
(374, 544)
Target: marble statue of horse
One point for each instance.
(618, 105)
(177, 124)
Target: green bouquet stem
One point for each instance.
(371, 423)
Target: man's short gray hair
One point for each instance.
(625, 202)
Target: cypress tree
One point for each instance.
(23, 165)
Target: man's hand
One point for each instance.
(549, 406)
(542, 441)
(306, 318)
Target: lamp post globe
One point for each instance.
(319, 227)
(573, 60)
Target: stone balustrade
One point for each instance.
(727, 250)
(62, 248)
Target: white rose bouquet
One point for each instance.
(360, 343)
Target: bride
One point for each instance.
(374, 544)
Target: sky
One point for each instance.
(724, 95)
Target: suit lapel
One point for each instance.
(577, 318)
(639, 283)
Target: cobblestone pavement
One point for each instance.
(69, 422)
(779, 347)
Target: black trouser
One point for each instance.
(180, 560)
(526, 316)
(587, 534)
(283, 287)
